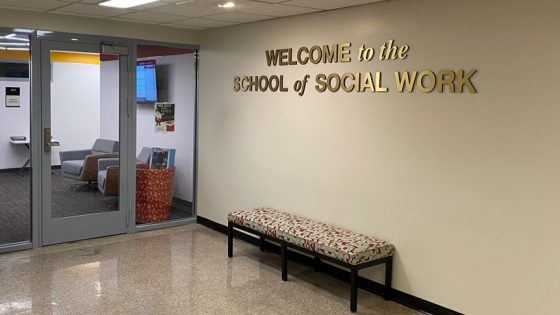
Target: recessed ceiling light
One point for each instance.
(227, 5)
(74, 39)
(14, 44)
(124, 4)
(43, 33)
(22, 30)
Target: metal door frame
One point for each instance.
(65, 229)
(128, 167)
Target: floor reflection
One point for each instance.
(183, 270)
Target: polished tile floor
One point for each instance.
(182, 270)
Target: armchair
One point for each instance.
(108, 174)
(82, 165)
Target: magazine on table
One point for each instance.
(162, 158)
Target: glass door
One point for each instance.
(15, 144)
(84, 105)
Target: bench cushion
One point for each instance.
(325, 239)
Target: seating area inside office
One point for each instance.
(85, 137)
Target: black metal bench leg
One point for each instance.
(316, 264)
(388, 277)
(230, 240)
(284, 254)
(353, 289)
(261, 244)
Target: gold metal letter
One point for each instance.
(378, 84)
(312, 54)
(346, 88)
(432, 81)
(321, 84)
(336, 86)
(465, 80)
(330, 55)
(344, 52)
(446, 77)
(405, 80)
(303, 61)
(236, 85)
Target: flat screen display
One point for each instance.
(14, 70)
(146, 83)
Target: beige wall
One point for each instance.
(84, 25)
(467, 186)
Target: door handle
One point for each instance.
(47, 139)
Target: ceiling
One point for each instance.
(190, 14)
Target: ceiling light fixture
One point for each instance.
(15, 37)
(73, 39)
(227, 5)
(14, 44)
(23, 30)
(124, 4)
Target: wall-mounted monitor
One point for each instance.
(146, 82)
(18, 70)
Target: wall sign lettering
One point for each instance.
(425, 81)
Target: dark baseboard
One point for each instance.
(341, 274)
(11, 170)
(181, 204)
(26, 169)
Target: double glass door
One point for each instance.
(76, 161)
(84, 111)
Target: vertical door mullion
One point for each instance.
(132, 138)
(35, 147)
(124, 113)
(45, 174)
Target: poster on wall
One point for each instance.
(165, 117)
(12, 97)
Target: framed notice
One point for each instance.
(165, 117)
(12, 97)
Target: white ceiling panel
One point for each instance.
(235, 17)
(188, 10)
(204, 23)
(273, 1)
(91, 1)
(327, 4)
(194, 14)
(177, 1)
(277, 10)
(190, 27)
(34, 5)
(149, 17)
(90, 10)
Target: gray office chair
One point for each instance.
(82, 165)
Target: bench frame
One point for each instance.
(388, 261)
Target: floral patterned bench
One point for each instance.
(325, 242)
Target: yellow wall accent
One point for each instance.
(57, 56)
(15, 55)
(92, 59)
